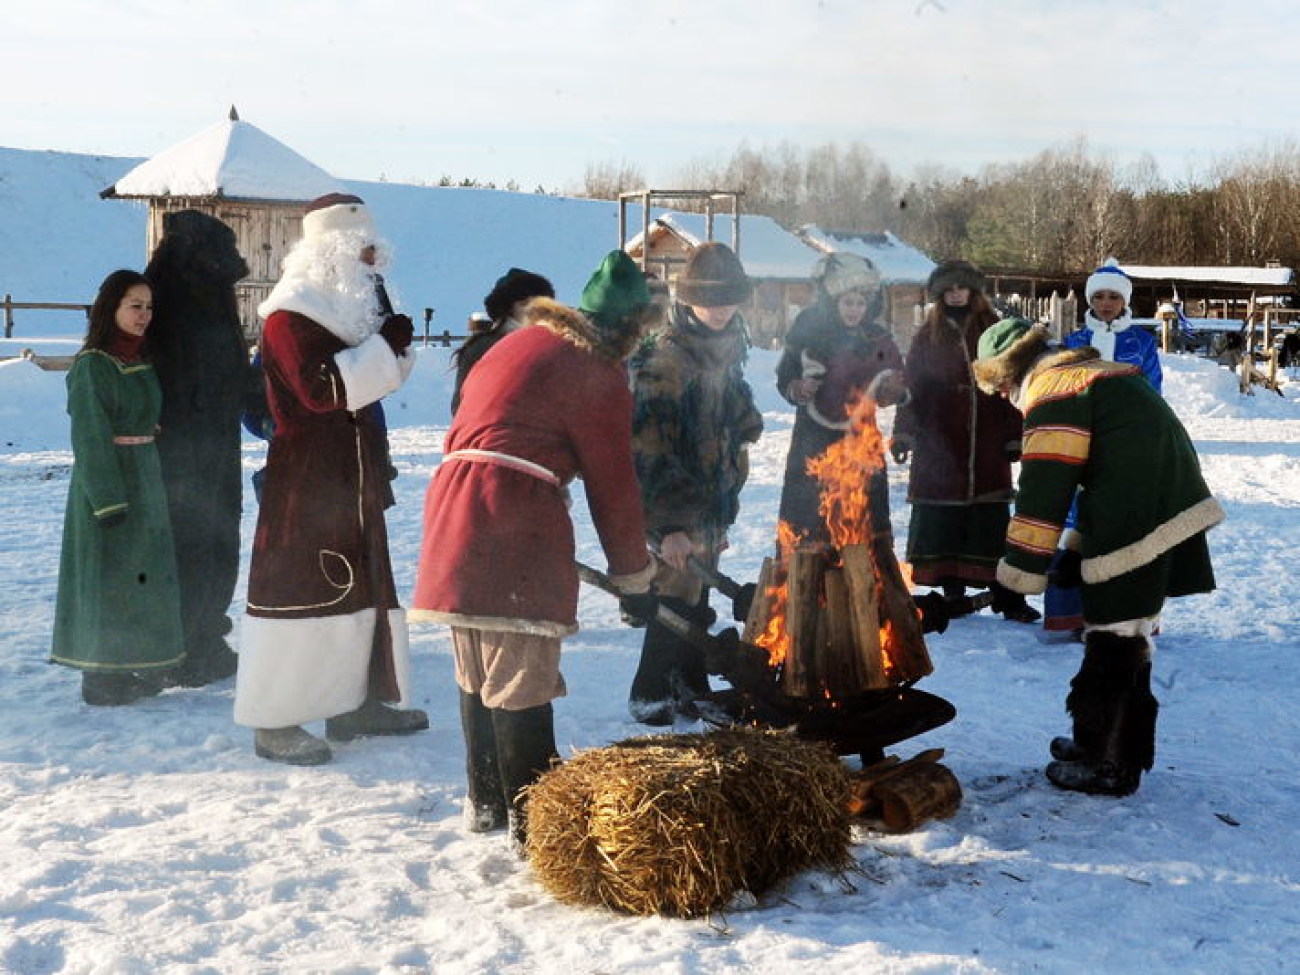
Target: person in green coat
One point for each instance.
(117, 618)
(1100, 430)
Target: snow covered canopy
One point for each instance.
(898, 262)
(230, 160)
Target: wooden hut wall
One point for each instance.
(264, 233)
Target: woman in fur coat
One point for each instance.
(550, 404)
(834, 352)
(961, 442)
(1099, 430)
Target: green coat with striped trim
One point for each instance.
(1144, 507)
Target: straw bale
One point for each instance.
(679, 824)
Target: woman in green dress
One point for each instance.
(117, 618)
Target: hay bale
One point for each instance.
(678, 824)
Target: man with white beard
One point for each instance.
(324, 636)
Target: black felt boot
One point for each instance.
(650, 700)
(1012, 605)
(1114, 719)
(486, 809)
(525, 749)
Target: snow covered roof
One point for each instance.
(233, 160)
(898, 262)
(1262, 277)
(767, 249)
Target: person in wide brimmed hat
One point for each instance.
(961, 444)
(504, 306)
(693, 422)
(549, 405)
(1143, 513)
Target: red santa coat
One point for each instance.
(323, 624)
(541, 408)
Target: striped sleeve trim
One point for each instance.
(1067, 445)
(1035, 537)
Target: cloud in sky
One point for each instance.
(507, 89)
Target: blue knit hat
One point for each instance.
(1109, 277)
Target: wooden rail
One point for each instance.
(10, 305)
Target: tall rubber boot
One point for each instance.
(486, 807)
(1114, 719)
(525, 749)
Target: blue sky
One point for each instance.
(410, 90)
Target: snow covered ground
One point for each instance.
(150, 839)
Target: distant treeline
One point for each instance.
(1063, 210)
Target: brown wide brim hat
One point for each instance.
(713, 277)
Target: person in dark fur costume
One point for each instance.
(198, 350)
(961, 444)
(835, 351)
(1101, 429)
(693, 422)
(497, 560)
(505, 305)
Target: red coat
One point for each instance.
(498, 549)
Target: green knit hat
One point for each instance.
(996, 339)
(616, 290)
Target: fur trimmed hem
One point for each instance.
(1018, 580)
(499, 623)
(1202, 516)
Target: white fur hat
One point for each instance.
(338, 212)
(841, 273)
(1109, 277)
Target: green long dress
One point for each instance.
(118, 607)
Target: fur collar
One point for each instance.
(574, 327)
(1009, 368)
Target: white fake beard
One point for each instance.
(328, 274)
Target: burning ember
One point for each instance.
(838, 618)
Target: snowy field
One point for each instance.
(150, 839)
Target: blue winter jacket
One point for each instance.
(1132, 344)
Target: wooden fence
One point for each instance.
(10, 305)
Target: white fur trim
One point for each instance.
(636, 582)
(342, 218)
(505, 624)
(295, 671)
(1018, 580)
(371, 371)
(1198, 518)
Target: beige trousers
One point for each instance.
(511, 671)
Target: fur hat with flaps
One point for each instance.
(1006, 352)
(713, 277)
(838, 274)
(955, 274)
(339, 213)
(514, 286)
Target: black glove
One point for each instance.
(1066, 571)
(638, 608)
(113, 520)
(900, 450)
(398, 331)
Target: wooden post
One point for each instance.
(9, 316)
(863, 586)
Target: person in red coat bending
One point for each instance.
(324, 636)
(549, 403)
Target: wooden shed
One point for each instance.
(253, 183)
